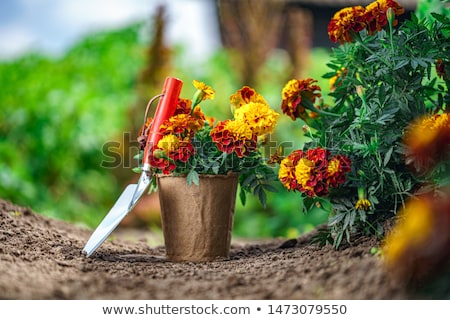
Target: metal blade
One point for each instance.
(121, 208)
(143, 183)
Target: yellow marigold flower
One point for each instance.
(258, 116)
(244, 96)
(169, 143)
(363, 204)
(413, 228)
(286, 173)
(240, 130)
(303, 172)
(203, 92)
(345, 22)
(333, 166)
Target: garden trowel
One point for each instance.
(133, 192)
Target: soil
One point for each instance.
(41, 258)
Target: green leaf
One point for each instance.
(137, 170)
(387, 156)
(243, 196)
(192, 177)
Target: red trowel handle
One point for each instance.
(165, 109)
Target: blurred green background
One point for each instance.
(62, 117)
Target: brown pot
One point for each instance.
(197, 221)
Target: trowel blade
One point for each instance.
(123, 205)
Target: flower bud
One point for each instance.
(360, 91)
(390, 14)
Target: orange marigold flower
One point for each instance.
(234, 136)
(427, 141)
(294, 92)
(181, 124)
(345, 22)
(199, 116)
(376, 14)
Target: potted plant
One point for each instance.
(384, 75)
(198, 165)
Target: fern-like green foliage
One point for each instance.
(387, 80)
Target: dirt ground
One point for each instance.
(41, 258)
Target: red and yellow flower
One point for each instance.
(312, 172)
(296, 95)
(351, 20)
(376, 14)
(234, 136)
(345, 22)
(286, 173)
(244, 96)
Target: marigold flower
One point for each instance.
(413, 228)
(258, 116)
(161, 161)
(294, 92)
(184, 106)
(363, 204)
(203, 92)
(181, 124)
(244, 96)
(376, 14)
(338, 166)
(169, 143)
(286, 173)
(312, 173)
(303, 175)
(419, 243)
(169, 150)
(345, 22)
(427, 141)
(234, 136)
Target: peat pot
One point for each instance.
(197, 220)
